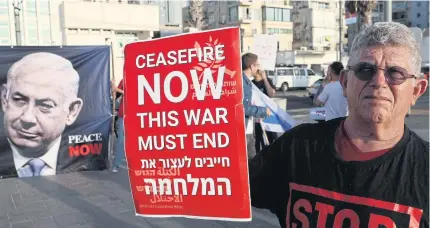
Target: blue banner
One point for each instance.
(56, 110)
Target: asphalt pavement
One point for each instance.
(103, 199)
(98, 199)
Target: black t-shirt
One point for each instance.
(260, 85)
(302, 180)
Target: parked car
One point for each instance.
(286, 78)
(313, 89)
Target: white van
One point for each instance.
(286, 78)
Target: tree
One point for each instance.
(196, 15)
(363, 9)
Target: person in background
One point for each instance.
(332, 97)
(119, 149)
(250, 67)
(364, 170)
(266, 86)
(325, 81)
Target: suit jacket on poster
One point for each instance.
(65, 162)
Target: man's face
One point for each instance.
(254, 68)
(376, 100)
(36, 110)
(329, 74)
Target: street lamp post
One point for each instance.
(388, 11)
(241, 39)
(17, 9)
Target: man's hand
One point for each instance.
(262, 74)
(269, 113)
(113, 87)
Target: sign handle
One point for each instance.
(112, 148)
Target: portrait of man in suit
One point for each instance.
(39, 100)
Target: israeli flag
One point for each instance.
(280, 121)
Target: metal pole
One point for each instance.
(241, 40)
(113, 59)
(340, 30)
(17, 9)
(388, 11)
(112, 144)
(113, 107)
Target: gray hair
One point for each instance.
(386, 34)
(44, 61)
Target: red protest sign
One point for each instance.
(184, 126)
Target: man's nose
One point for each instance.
(28, 118)
(379, 79)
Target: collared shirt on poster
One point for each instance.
(50, 158)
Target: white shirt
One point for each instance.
(250, 127)
(335, 103)
(50, 158)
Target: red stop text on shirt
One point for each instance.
(319, 208)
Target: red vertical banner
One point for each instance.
(184, 126)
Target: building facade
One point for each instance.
(409, 13)
(319, 25)
(399, 12)
(170, 15)
(253, 17)
(78, 22)
(418, 14)
(35, 24)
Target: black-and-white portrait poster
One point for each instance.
(55, 110)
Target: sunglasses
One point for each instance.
(393, 75)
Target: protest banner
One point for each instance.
(184, 126)
(56, 110)
(266, 47)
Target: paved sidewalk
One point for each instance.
(90, 200)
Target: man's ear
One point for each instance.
(420, 88)
(344, 81)
(74, 110)
(3, 97)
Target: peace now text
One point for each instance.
(84, 145)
